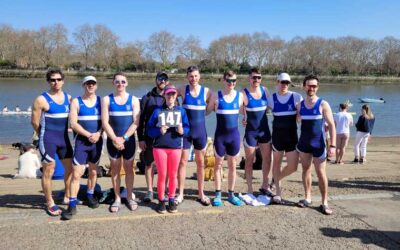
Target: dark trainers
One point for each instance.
(361, 161)
(172, 208)
(92, 202)
(148, 197)
(161, 207)
(67, 214)
(355, 160)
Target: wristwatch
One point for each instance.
(126, 138)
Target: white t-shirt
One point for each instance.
(343, 121)
(28, 165)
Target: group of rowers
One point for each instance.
(167, 130)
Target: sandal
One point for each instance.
(205, 201)
(325, 210)
(277, 199)
(53, 210)
(178, 200)
(304, 203)
(115, 206)
(267, 192)
(132, 205)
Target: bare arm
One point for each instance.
(327, 113)
(136, 117)
(105, 118)
(38, 106)
(211, 104)
(73, 119)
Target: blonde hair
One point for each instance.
(367, 112)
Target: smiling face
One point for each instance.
(230, 82)
(193, 77)
(311, 87)
(255, 79)
(90, 87)
(120, 82)
(283, 86)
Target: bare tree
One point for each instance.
(162, 46)
(190, 49)
(85, 38)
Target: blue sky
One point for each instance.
(209, 20)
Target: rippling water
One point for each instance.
(15, 128)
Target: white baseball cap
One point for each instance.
(89, 78)
(284, 77)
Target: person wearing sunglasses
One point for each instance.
(152, 100)
(227, 104)
(257, 133)
(120, 113)
(283, 104)
(50, 121)
(85, 120)
(313, 113)
(194, 100)
(167, 126)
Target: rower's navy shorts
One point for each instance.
(197, 137)
(311, 146)
(52, 143)
(284, 140)
(128, 153)
(227, 142)
(252, 138)
(86, 152)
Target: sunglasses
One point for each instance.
(162, 79)
(119, 82)
(312, 86)
(285, 82)
(56, 79)
(230, 81)
(90, 83)
(256, 78)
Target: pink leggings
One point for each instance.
(167, 162)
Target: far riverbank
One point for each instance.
(295, 78)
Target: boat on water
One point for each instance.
(371, 100)
(15, 113)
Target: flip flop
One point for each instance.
(277, 199)
(205, 201)
(178, 200)
(53, 210)
(325, 209)
(114, 208)
(304, 203)
(132, 205)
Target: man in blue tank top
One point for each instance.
(257, 133)
(149, 102)
(85, 120)
(120, 113)
(227, 104)
(314, 112)
(283, 104)
(194, 100)
(50, 121)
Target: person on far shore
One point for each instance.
(167, 126)
(85, 120)
(50, 121)
(364, 126)
(343, 122)
(5, 109)
(149, 102)
(120, 113)
(17, 109)
(227, 104)
(313, 111)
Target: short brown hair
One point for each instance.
(229, 73)
(120, 73)
(310, 77)
(53, 71)
(254, 70)
(192, 68)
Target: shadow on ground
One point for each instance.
(361, 184)
(384, 239)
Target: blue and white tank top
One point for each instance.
(90, 117)
(312, 121)
(284, 113)
(195, 107)
(121, 116)
(255, 110)
(56, 118)
(227, 113)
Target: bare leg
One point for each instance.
(92, 179)
(276, 170)
(67, 163)
(292, 159)
(129, 177)
(149, 174)
(266, 163)
(322, 179)
(250, 152)
(231, 172)
(306, 160)
(217, 172)
(182, 171)
(115, 177)
(199, 156)
(77, 172)
(48, 171)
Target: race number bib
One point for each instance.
(169, 118)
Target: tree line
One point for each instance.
(96, 47)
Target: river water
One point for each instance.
(16, 128)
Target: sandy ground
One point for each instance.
(21, 204)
